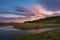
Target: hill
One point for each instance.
(48, 20)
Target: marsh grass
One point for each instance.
(50, 35)
(29, 25)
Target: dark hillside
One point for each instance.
(53, 20)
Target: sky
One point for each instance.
(20, 11)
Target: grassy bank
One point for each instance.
(35, 26)
(50, 35)
(30, 25)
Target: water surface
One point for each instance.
(9, 32)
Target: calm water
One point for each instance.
(9, 32)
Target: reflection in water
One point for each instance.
(7, 28)
(8, 32)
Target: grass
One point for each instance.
(35, 26)
(50, 35)
(30, 25)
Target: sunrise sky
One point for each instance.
(27, 10)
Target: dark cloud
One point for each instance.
(19, 13)
(56, 14)
(24, 11)
(21, 9)
(10, 18)
(52, 5)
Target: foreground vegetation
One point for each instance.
(50, 35)
(35, 26)
(29, 25)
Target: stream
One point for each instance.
(9, 32)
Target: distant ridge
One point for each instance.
(53, 20)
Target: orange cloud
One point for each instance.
(38, 12)
(38, 9)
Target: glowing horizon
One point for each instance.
(27, 10)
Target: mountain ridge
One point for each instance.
(55, 19)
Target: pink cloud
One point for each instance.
(33, 14)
